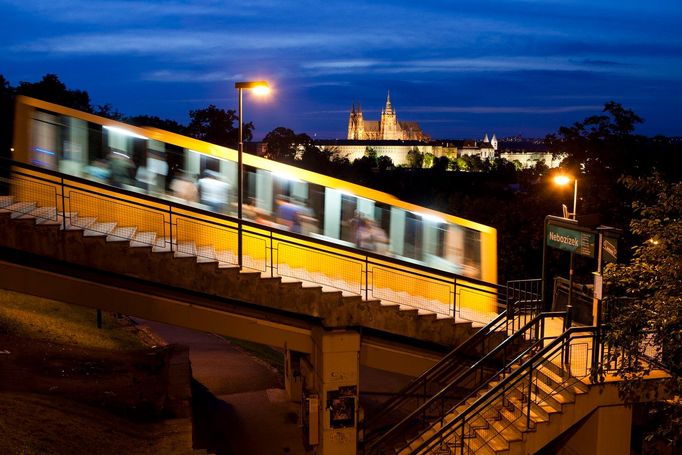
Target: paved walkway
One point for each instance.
(244, 409)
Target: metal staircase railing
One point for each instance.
(519, 400)
(523, 303)
(524, 341)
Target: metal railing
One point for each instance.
(523, 301)
(467, 383)
(177, 228)
(518, 402)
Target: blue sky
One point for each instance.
(462, 68)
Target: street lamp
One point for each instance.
(259, 88)
(563, 180)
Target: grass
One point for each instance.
(32, 317)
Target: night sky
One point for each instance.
(461, 68)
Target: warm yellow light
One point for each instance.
(653, 241)
(562, 180)
(261, 90)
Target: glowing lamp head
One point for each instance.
(562, 180)
(257, 87)
(261, 90)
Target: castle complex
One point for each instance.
(386, 129)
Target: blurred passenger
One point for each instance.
(122, 168)
(184, 188)
(288, 214)
(379, 237)
(98, 171)
(144, 179)
(363, 234)
(213, 191)
(158, 168)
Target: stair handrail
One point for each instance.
(443, 367)
(524, 371)
(437, 369)
(533, 324)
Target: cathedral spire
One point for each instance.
(389, 108)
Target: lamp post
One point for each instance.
(563, 180)
(259, 88)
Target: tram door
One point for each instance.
(413, 236)
(349, 205)
(47, 140)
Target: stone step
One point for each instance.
(185, 249)
(122, 234)
(18, 209)
(206, 254)
(6, 201)
(142, 239)
(98, 229)
(77, 223)
(162, 245)
(46, 215)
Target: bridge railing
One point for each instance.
(213, 237)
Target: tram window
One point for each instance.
(413, 236)
(139, 152)
(95, 143)
(208, 163)
(472, 252)
(316, 202)
(440, 240)
(349, 205)
(382, 216)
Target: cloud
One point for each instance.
(189, 76)
(502, 109)
(490, 63)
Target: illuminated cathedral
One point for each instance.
(386, 129)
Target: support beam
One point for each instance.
(76, 291)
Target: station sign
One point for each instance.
(570, 238)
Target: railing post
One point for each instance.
(366, 278)
(63, 205)
(170, 225)
(272, 257)
(530, 385)
(596, 342)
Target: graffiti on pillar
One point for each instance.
(341, 406)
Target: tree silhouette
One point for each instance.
(217, 126)
(51, 89)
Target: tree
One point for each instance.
(285, 145)
(415, 159)
(384, 163)
(428, 160)
(602, 144)
(51, 89)
(109, 111)
(644, 296)
(218, 126)
(6, 116)
(156, 122)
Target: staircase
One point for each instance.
(463, 371)
(100, 228)
(526, 405)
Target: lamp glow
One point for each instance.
(562, 180)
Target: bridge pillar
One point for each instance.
(335, 377)
(293, 380)
(606, 430)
